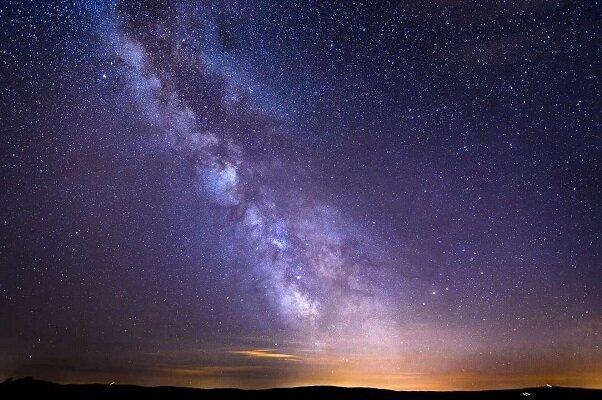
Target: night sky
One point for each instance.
(400, 194)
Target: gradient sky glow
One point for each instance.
(277, 193)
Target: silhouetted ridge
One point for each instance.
(29, 388)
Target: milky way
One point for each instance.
(313, 264)
(261, 193)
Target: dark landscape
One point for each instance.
(34, 389)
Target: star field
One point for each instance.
(277, 193)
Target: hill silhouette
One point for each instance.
(29, 388)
